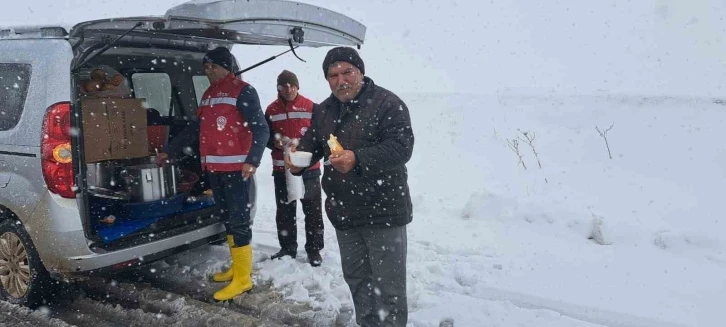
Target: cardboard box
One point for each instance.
(114, 128)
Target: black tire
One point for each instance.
(40, 286)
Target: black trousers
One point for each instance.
(374, 267)
(312, 208)
(232, 196)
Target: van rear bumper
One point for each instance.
(118, 259)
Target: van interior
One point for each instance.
(129, 198)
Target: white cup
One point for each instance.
(301, 158)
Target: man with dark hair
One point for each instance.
(232, 134)
(289, 118)
(368, 200)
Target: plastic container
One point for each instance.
(301, 158)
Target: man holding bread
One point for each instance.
(365, 132)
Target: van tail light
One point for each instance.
(55, 150)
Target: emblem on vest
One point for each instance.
(221, 122)
(303, 130)
(298, 108)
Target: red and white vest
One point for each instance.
(225, 138)
(291, 119)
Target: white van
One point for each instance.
(72, 158)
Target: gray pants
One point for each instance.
(374, 266)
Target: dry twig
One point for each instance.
(514, 145)
(604, 135)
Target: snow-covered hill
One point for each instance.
(493, 243)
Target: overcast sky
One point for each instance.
(669, 47)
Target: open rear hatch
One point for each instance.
(196, 26)
(263, 22)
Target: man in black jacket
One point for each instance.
(368, 200)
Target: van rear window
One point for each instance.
(14, 82)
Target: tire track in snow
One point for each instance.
(152, 306)
(89, 312)
(526, 301)
(163, 294)
(579, 312)
(15, 315)
(99, 303)
(262, 302)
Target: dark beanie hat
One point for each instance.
(220, 56)
(346, 54)
(287, 77)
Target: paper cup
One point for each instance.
(301, 158)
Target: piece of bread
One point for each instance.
(333, 144)
(92, 86)
(109, 219)
(116, 80)
(98, 75)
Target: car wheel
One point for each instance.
(23, 278)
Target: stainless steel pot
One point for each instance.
(108, 194)
(149, 182)
(102, 175)
(103, 181)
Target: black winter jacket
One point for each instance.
(376, 126)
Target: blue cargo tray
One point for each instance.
(120, 229)
(132, 217)
(158, 208)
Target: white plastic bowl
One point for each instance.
(301, 158)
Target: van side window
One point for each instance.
(155, 88)
(14, 82)
(201, 84)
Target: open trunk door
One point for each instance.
(262, 22)
(199, 25)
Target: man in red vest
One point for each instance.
(232, 133)
(289, 118)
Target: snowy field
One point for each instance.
(494, 244)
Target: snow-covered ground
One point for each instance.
(493, 243)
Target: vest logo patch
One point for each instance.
(303, 130)
(221, 122)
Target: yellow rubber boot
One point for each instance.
(242, 277)
(225, 276)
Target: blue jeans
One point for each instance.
(232, 196)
